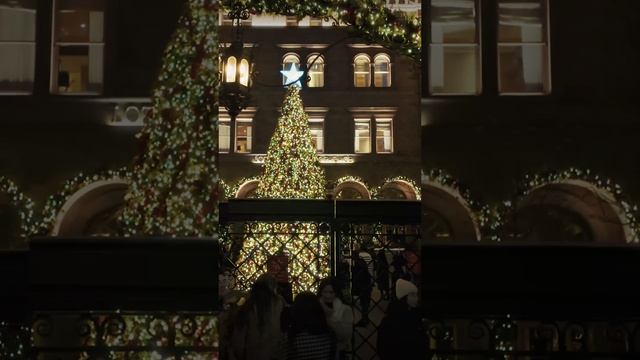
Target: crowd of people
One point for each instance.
(262, 325)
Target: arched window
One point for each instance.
(230, 70)
(316, 71)
(287, 61)
(382, 70)
(362, 71)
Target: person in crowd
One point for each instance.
(362, 283)
(382, 273)
(401, 335)
(309, 336)
(231, 301)
(412, 261)
(339, 316)
(256, 327)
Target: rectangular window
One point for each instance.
(362, 138)
(316, 127)
(523, 51)
(454, 48)
(78, 47)
(384, 136)
(314, 21)
(17, 46)
(224, 136)
(243, 136)
(292, 21)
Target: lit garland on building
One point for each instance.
(351, 179)
(368, 19)
(234, 189)
(22, 204)
(377, 191)
(14, 341)
(291, 171)
(56, 201)
(629, 210)
(174, 190)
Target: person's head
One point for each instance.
(262, 298)
(268, 281)
(307, 315)
(328, 290)
(407, 292)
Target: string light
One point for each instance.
(24, 206)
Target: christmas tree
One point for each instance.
(292, 168)
(174, 187)
(291, 171)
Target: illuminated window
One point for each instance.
(243, 136)
(292, 21)
(78, 48)
(316, 127)
(454, 48)
(362, 71)
(384, 136)
(523, 51)
(316, 71)
(382, 70)
(287, 61)
(314, 21)
(224, 135)
(17, 45)
(362, 138)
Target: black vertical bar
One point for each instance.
(44, 18)
(488, 19)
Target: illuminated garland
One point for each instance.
(23, 204)
(226, 188)
(377, 191)
(234, 190)
(56, 201)
(14, 341)
(355, 179)
(483, 214)
(368, 19)
(174, 190)
(630, 211)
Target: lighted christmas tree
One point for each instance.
(291, 171)
(292, 168)
(174, 187)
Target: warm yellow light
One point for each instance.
(230, 69)
(244, 72)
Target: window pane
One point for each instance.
(454, 69)
(523, 68)
(17, 45)
(224, 136)
(453, 21)
(79, 21)
(243, 137)
(384, 137)
(316, 72)
(362, 72)
(382, 72)
(317, 135)
(286, 66)
(362, 137)
(521, 21)
(80, 68)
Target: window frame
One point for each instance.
(366, 120)
(283, 62)
(55, 55)
(388, 120)
(390, 72)
(227, 122)
(369, 82)
(249, 138)
(12, 92)
(477, 45)
(546, 37)
(310, 58)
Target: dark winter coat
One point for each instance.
(400, 336)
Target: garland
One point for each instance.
(56, 201)
(233, 190)
(412, 184)
(23, 204)
(368, 19)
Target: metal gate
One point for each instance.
(303, 241)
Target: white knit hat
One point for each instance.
(404, 287)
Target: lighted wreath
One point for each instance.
(56, 201)
(23, 204)
(368, 19)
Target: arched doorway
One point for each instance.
(568, 211)
(351, 190)
(446, 216)
(398, 190)
(92, 210)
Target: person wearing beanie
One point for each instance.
(401, 335)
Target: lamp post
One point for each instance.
(237, 68)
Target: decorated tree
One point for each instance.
(294, 252)
(292, 168)
(174, 186)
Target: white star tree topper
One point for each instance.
(292, 75)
